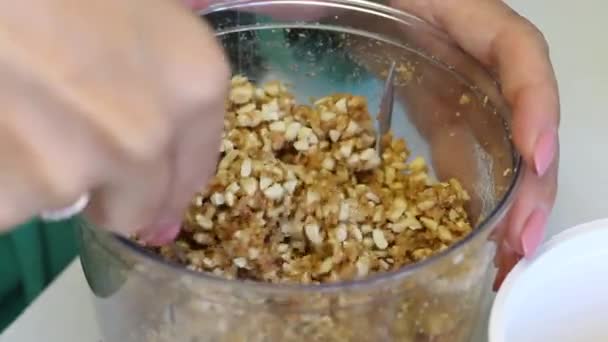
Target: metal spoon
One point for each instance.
(386, 108)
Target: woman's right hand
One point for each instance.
(120, 99)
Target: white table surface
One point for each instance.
(577, 35)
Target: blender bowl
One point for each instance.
(450, 111)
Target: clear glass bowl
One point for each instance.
(449, 109)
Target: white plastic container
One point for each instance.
(559, 296)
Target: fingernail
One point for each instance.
(160, 234)
(534, 232)
(544, 152)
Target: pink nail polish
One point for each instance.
(544, 152)
(534, 232)
(159, 235)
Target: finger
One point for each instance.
(200, 85)
(149, 196)
(202, 104)
(41, 166)
(529, 214)
(18, 181)
(131, 199)
(508, 258)
(196, 156)
(519, 53)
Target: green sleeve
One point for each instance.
(30, 257)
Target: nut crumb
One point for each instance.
(465, 99)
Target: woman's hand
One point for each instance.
(120, 99)
(507, 43)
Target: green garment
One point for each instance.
(30, 257)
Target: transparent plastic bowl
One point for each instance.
(451, 112)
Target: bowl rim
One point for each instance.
(378, 279)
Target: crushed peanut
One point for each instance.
(301, 195)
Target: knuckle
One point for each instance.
(155, 136)
(212, 91)
(60, 184)
(63, 191)
(204, 81)
(143, 140)
(532, 31)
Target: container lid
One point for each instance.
(559, 296)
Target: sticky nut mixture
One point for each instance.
(302, 196)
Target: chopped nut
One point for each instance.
(368, 154)
(379, 239)
(241, 94)
(217, 199)
(240, 262)
(346, 149)
(253, 253)
(418, 164)
(444, 234)
(397, 209)
(429, 223)
(249, 186)
(412, 223)
(312, 197)
(341, 106)
(290, 186)
(278, 126)
(329, 163)
(334, 135)
(204, 221)
(246, 109)
(426, 205)
(341, 233)
(312, 233)
(198, 201)
(230, 198)
(227, 146)
(352, 128)
(344, 212)
(265, 182)
(356, 233)
(362, 267)
(327, 116)
(246, 168)
(353, 160)
(202, 238)
(465, 99)
(301, 145)
(274, 192)
(372, 197)
(238, 80)
(326, 266)
(233, 188)
(272, 88)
